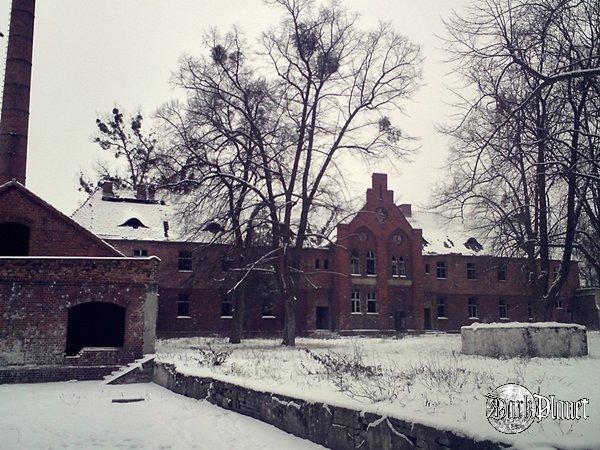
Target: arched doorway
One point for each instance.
(14, 239)
(95, 324)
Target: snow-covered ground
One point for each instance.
(82, 415)
(421, 378)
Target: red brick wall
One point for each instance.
(51, 233)
(36, 294)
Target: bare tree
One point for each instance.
(523, 156)
(313, 90)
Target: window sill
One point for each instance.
(184, 317)
(356, 313)
(355, 274)
(442, 318)
(373, 313)
(184, 271)
(474, 318)
(226, 317)
(506, 319)
(372, 275)
(439, 278)
(268, 317)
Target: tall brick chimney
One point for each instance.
(14, 121)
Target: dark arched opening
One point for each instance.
(95, 324)
(14, 239)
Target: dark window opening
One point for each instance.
(317, 263)
(503, 308)
(322, 318)
(427, 272)
(226, 307)
(184, 261)
(502, 272)
(326, 264)
(95, 324)
(473, 244)
(226, 263)
(441, 307)
(134, 223)
(529, 310)
(183, 305)
(559, 303)
(140, 252)
(268, 308)
(471, 271)
(14, 239)
(427, 319)
(354, 264)
(371, 303)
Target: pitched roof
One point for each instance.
(14, 184)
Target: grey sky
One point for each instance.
(90, 55)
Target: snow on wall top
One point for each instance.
(477, 325)
(443, 236)
(122, 216)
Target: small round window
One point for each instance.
(397, 239)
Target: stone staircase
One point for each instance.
(138, 371)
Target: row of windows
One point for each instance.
(441, 271)
(183, 307)
(398, 265)
(472, 308)
(355, 303)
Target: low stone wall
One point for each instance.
(331, 426)
(48, 374)
(543, 339)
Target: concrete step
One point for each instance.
(138, 371)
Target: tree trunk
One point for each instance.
(237, 322)
(289, 330)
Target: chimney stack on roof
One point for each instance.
(107, 189)
(406, 209)
(14, 122)
(141, 192)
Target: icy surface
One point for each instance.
(82, 415)
(422, 378)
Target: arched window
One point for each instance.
(95, 324)
(14, 239)
(394, 266)
(371, 263)
(401, 267)
(134, 223)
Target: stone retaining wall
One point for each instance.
(331, 426)
(542, 339)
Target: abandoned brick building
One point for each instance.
(394, 269)
(71, 305)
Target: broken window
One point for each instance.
(14, 239)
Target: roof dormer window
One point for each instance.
(134, 223)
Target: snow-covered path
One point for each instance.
(82, 415)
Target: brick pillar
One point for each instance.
(14, 121)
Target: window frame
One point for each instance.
(181, 259)
(140, 252)
(354, 264)
(355, 303)
(503, 308)
(472, 303)
(471, 271)
(441, 303)
(371, 268)
(372, 300)
(226, 299)
(441, 266)
(502, 272)
(183, 298)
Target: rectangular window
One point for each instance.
(317, 263)
(183, 305)
(472, 308)
(184, 263)
(371, 303)
(559, 303)
(140, 252)
(226, 307)
(355, 302)
(440, 270)
(503, 308)
(441, 308)
(502, 272)
(354, 264)
(471, 271)
(326, 264)
(371, 263)
(268, 309)
(427, 272)
(529, 310)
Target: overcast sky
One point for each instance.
(90, 55)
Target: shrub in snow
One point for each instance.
(212, 356)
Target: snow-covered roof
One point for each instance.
(443, 236)
(123, 216)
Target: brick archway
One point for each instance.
(95, 324)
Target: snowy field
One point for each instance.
(82, 415)
(421, 378)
